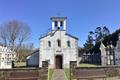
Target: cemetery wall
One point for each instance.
(101, 72)
(23, 73)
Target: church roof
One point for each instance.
(71, 36)
(55, 31)
(58, 18)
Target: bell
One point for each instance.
(58, 28)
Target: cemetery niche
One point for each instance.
(107, 54)
(117, 51)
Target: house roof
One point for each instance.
(36, 50)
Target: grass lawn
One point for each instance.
(87, 65)
(67, 73)
(50, 73)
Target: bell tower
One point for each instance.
(58, 23)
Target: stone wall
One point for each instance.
(108, 71)
(23, 73)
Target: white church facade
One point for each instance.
(57, 47)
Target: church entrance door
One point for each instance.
(59, 61)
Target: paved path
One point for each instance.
(58, 75)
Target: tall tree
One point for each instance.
(105, 31)
(98, 34)
(24, 51)
(95, 37)
(14, 34)
(89, 42)
(3, 36)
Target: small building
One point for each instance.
(57, 47)
(7, 56)
(33, 59)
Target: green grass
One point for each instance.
(50, 73)
(20, 64)
(67, 73)
(87, 65)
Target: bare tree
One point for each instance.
(14, 34)
(3, 36)
(25, 50)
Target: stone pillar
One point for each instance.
(59, 24)
(117, 51)
(103, 55)
(53, 25)
(110, 54)
(64, 25)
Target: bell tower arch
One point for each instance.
(58, 23)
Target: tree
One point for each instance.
(105, 31)
(98, 34)
(95, 38)
(3, 36)
(25, 50)
(112, 37)
(89, 42)
(13, 34)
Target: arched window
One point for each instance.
(68, 43)
(56, 23)
(59, 43)
(49, 43)
(61, 23)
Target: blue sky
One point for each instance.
(82, 15)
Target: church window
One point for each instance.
(49, 43)
(61, 23)
(68, 43)
(56, 23)
(59, 43)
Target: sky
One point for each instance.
(82, 15)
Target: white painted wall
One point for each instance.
(33, 60)
(6, 57)
(48, 53)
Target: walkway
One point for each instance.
(59, 75)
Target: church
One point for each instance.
(57, 47)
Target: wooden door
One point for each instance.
(59, 62)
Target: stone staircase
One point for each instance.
(59, 75)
